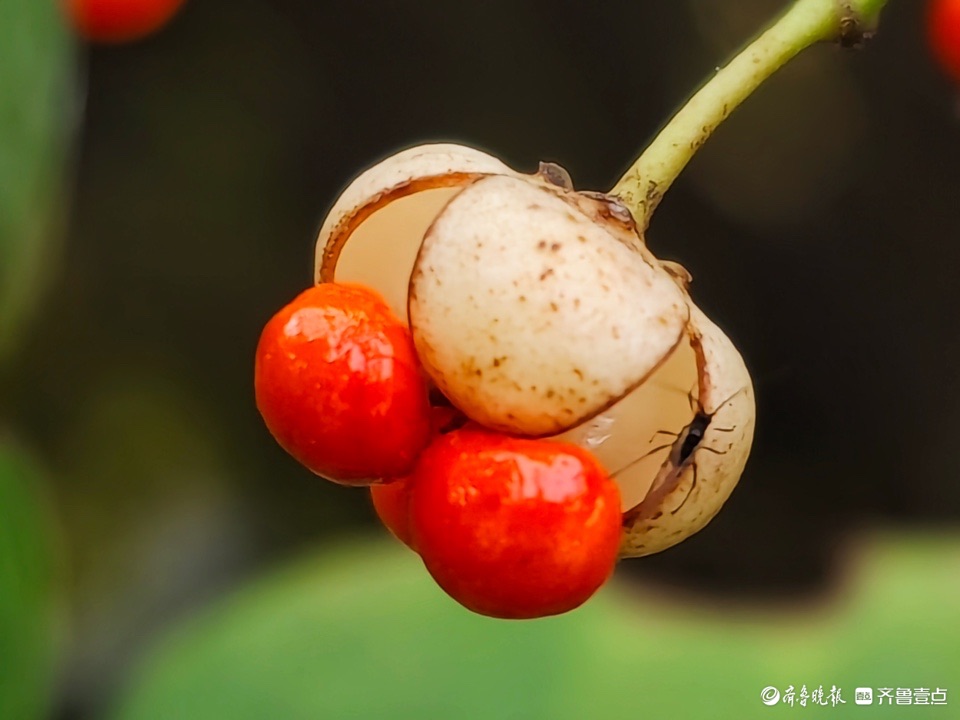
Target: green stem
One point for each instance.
(803, 24)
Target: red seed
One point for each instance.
(339, 385)
(512, 527)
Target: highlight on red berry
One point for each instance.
(513, 527)
(339, 386)
(117, 21)
(943, 33)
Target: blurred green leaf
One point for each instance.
(145, 500)
(364, 633)
(26, 583)
(34, 70)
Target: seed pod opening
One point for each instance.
(708, 456)
(632, 438)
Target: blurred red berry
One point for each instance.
(339, 385)
(943, 32)
(513, 527)
(120, 20)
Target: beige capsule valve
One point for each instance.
(707, 457)
(531, 315)
(385, 212)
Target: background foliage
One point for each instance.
(289, 646)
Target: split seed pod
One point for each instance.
(535, 309)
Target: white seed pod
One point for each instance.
(531, 315)
(707, 457)
(386, 210)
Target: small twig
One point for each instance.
(803, 24)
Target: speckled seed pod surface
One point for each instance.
(531, 316)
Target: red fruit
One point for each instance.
(512, 527)
(943, 33)
(392, 500)
(339, 385)
(120, 20)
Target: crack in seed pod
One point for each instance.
(677, 505)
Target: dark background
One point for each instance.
(821, 226)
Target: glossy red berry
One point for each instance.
(511, 527)
(339, 385)
(943, 32)
(120, 20)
